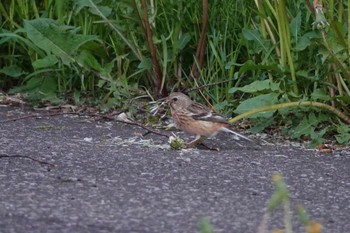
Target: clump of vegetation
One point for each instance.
(176, 143)
(279, 198)
(239, 56)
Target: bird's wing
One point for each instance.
(201, 112)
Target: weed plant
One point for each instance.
(256, 54)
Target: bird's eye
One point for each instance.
(175, 99)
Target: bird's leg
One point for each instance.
(199, 141)
(210, 148)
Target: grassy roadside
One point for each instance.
(238, 56)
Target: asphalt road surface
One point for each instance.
(110, 178)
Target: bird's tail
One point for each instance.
(236, 134)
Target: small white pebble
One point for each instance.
(123, 117)
(87, 139)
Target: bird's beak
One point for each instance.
(166, 100)
(158, 104)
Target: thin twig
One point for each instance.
(27, 157)
(150, 130)
(144, 127)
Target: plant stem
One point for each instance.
(157, 80)
(284, 33)
(287, 216)
(195, 71)
(337, 112)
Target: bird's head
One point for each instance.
(177, 101)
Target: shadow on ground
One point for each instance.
(109, 178)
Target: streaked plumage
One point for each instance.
(195, 118)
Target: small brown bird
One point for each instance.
(195, 118)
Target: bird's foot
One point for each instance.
(198, 140)
(194, 144)
(209, 147)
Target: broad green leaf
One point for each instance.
(45, 62)
(185, 38)
(13, 71)
(317, 137)
(40, 84)
(101, 83)
(254, 35)
(146, 63)
(256, 86)
(258, 102)
(88, 60)
(308, 127)
(259, 126)
(221, 105)
(42, 89)
(5, 37)
(305, 127)
(48, 85)
(53, 38)
(343, 136)
(250, 65)
(295, 26)
(302, 44)
(305, 40)
(107, 69)
(305, 74)
(33, 83)
(93, 6)
(319, 94)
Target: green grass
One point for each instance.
(262, 52)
